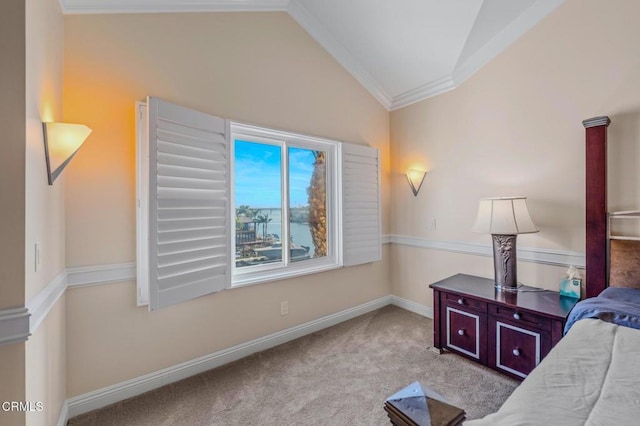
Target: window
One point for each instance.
(223, 204)
(285, 204)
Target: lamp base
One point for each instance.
(507, 288)
(504, 262)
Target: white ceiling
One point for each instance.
(402, 51)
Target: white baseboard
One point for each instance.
(420, 309)
(63, 418)
(136, 386)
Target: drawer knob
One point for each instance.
(461, 332)
(517, 316)
(516, 352)
(461, 301)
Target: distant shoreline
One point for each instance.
(297, 214)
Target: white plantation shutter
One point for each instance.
(189, 231)
(361, 229)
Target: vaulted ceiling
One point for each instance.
(402, 51)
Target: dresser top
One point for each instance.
(534, 299)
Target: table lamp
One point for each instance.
(504, 218)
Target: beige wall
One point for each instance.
(257, 68)
(44, 203)
(45, 362)
(13, 381)
(515, 128)
(12, 160)
(512, 129)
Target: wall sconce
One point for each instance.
(415, 178)
(61, 142)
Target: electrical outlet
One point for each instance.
(433, 223)
(284, 307)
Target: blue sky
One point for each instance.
(258, 175)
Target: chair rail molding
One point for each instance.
(542, 256)
(40, 304)
(18, 323)
(101, 274)
(14, 325)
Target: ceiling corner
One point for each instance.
(503, 39)
(320, 34)
(485, 45)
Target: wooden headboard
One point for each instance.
(596, 202)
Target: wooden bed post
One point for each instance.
(596, 202)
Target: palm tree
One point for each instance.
(264, 219)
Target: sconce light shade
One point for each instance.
(415, 178)
(61, 142)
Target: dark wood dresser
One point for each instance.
(508, 331)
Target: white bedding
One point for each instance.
(591, 377)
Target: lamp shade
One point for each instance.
(504, 216)
(61, 142)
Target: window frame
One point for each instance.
(250, 275)
(353, 170)
(142, 205)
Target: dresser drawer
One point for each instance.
(463, 332)
(516, 349)
(463, 301)
(515, 316)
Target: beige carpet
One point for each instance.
(337, 376)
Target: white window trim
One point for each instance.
(282, 270)
(142, 205)
(336, 206)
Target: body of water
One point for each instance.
(300, 232)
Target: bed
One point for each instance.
(592, 376)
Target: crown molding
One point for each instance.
(168, 6)
(320, 34)
(461, 73)
(596, 121)
(423, 92)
